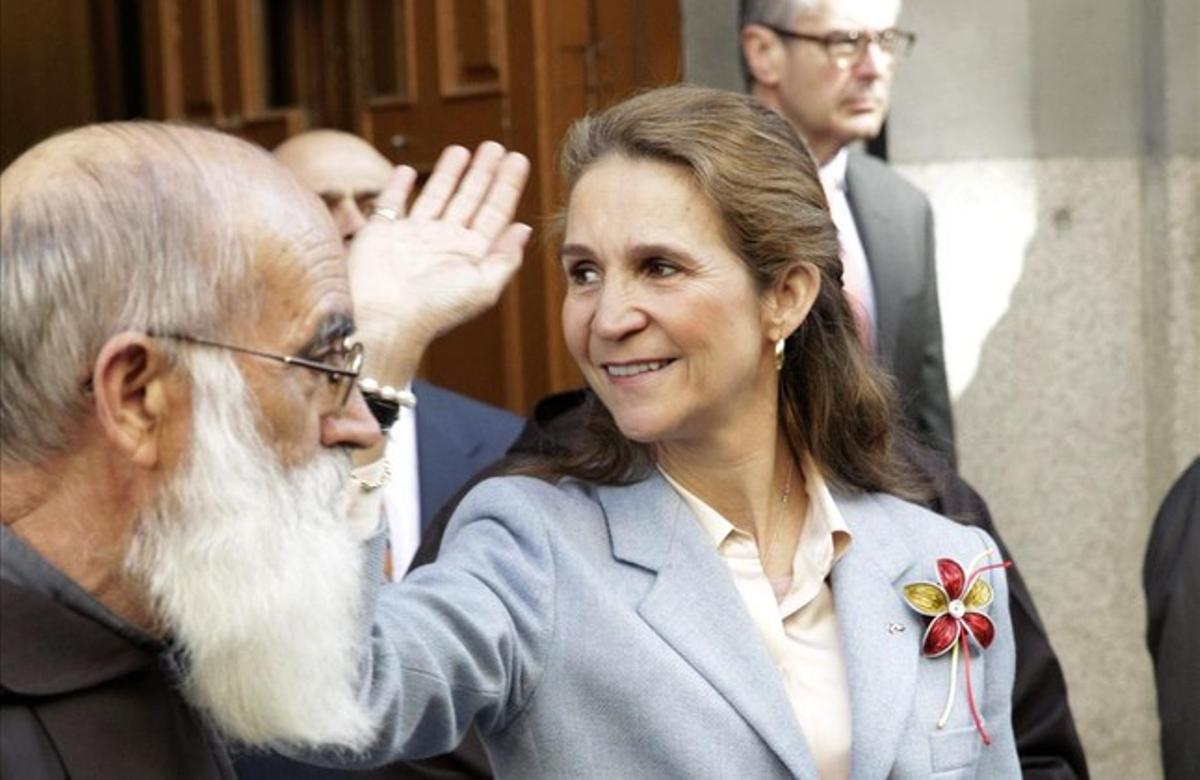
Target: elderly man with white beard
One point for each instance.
(178, 413)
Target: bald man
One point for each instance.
(344, 170)
(450, 437)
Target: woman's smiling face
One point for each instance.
(664, 320)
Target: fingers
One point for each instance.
(475, 184)
(395, 193)
(505, 258)
(442, 183)
(485, 198)
(496, 212)
(513, 240)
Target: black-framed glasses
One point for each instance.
(341, 375)
(847, 46)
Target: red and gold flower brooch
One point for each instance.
(956, 603)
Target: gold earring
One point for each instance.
(780, 345)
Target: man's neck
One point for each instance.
(824, 154)
(77, 515)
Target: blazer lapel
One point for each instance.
(880, 635)
(695, 607)
(876, 230)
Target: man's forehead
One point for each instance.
(312, 250)
(304, 283)
(327, 175)
(336, 163)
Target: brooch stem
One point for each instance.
(941, 724)
(987, 740)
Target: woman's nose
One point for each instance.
(618, 312)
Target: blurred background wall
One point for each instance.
(1058, 142)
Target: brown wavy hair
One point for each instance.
(834, 401)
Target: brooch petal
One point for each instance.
(926, 598)
(980, 628)
(940, 636)
(979, 595)
(950, 572)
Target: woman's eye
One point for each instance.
(582, 273)
(661, 268)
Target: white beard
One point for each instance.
(255, 574)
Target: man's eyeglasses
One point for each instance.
(342, 371)
(847, 46)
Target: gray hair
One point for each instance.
(779, 13)
(773, 13)
(125, 226)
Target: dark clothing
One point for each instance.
(1047, 743)
(895, 224)
(1171, 577)
(80, 700)
(456, 437)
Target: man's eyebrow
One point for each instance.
(330, 331)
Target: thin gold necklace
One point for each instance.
(783, 506)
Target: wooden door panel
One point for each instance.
(412, 76)
(453, 76)
(472, 55)
(386, 49)
(200, 61)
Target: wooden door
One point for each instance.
(409, 75)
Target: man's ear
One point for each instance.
(791, 297)
(132, 395)
(763, 53)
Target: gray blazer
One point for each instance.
(595, 632)
(895, 223)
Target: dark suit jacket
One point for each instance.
(79, 700)
(1047, 744)
(1171, 577)
(895, 224)
(456, 438)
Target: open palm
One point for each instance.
(417, 275)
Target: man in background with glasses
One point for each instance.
(827, 67)
(181, 357)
